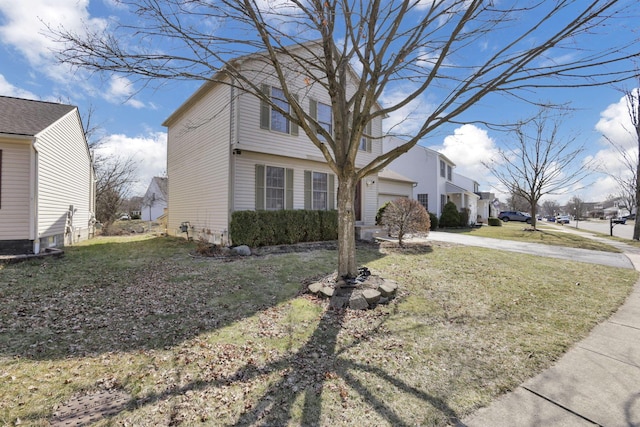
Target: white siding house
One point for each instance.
(47, 182)
(154, 201)
(436, 181)
(227, 151)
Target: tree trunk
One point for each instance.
(636, 227)
(347, 266)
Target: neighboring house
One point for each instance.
(227, 151)
(392, 186)
(467, 195)
(488, 206)
(47, 182)
(434, 177)
(154, 201)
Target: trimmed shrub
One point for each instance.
(266, 228)
(493, 221)
(450, 216)
(404, 216)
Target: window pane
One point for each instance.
(278, 121)
(325, 117)
(423, 199)
(274, 188)
(320, 187)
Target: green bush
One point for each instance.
(266, 228)
(450, 216)
(434, 221)
(464, 217)
(494, 221)
(380, 213)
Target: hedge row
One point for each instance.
(265, 228)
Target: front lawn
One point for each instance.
(236, 342)
(545, 234)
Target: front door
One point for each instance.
(357, 202)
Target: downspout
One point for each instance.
(233, 149)
(34, 233)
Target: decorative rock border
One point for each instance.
(362, 294)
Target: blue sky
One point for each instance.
(131, 118)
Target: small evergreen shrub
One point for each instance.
(464, 217)
(380, 213)
(450, 216)
(493, 221)
(434, 221)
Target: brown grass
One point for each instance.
(218, 342)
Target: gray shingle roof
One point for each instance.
(26, 117)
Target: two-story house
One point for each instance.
(436, 182)
(47, 181)
(229, 151)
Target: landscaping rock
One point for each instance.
(326, 291)
(371, 295)
(316, 287)
(358, 302)
(338, 303)
(242, 250)
(388, 289)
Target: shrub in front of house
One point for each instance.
(493, 221)
(266, 228)
(464, 217)
(380, 213)
(434, 221)
(450, 216)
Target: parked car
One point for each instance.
(563, 219)
(507, 216)
(125, 217)
(550, 218)
(619, 220)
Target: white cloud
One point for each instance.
(121, 90)
(409, 119)
(25, 25)
(7, 89)
(148, 151)
(468, 147)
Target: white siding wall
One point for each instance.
(245, 177)
(15, 212)
(65, 178)
(198, 153)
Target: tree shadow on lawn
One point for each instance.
(321, 363)
(162, 302)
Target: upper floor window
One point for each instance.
(365, 140)
(449, 172)
(325, 117)
(273, 115)
(442, 168)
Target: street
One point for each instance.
(624, 231)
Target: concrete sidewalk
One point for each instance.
(597, 382)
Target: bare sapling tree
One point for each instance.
(114, 175)
(539, 161)
(403, 216)
(575, 207)
(357, 51)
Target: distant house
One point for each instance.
(47, 182)
(435, 180)
(154, 201)
(227, 151)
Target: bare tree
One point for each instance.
(518, 203)
(431, 45)
(404, 216)
(575, 207)
(550, 208)
(628, 180)
(539, 161)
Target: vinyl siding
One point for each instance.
(65, 178)
(15, 212)
(198, 153)
(245, 177)
(391, 190)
